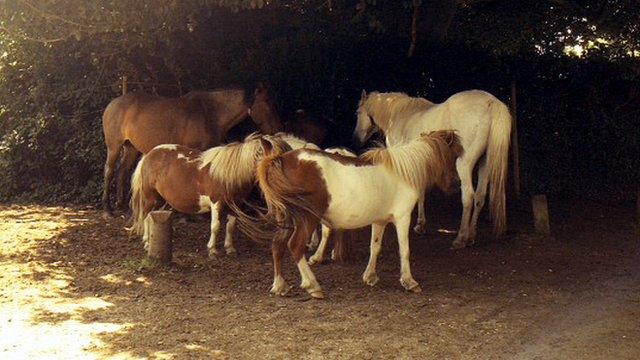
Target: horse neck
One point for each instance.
(229, 109)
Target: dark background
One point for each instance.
(578, 113)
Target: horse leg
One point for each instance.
(377, 231)
(109, 166)
(466, 184)
(480, 195)
(313, 242)
(228, 237)
(402, 229)
(129, 157)
(421, 223)
(215, 226)
(297, 248)
(319, 255)
(279, 286)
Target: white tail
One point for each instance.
(498, 161)
(137, 201)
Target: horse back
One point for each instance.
(173, 172)
(147, 121)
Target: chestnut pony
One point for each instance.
(303, 187)
(135, 123)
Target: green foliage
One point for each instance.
(61, 61)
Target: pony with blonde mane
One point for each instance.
(194, 182)
(483, 124)
(135, 123)
(303, 187)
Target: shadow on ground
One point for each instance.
(73, 286)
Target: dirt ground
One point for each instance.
(72, 285)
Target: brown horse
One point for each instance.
(195, 182)
(308, 126)
(135, 123)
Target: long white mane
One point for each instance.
(421, 162)
(233, 165)
(388, 108)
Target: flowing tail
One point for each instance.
(287, 206)
(137, 201)
(498, 161)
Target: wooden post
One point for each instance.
(541, 214)
(342, 247)
(160, 233)
(125, 88)
(515, 152)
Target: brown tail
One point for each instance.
(286, 202)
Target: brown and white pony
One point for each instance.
(325, 232)
(303, 187)
(195, 182)
(136, 122)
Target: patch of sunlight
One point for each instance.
(115, 279)
(40, 315)
(202, 349)
(162, 355)
(88, 303)
(69, 339)
(144, 280)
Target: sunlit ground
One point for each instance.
(37, 321)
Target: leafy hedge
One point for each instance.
(577, 136)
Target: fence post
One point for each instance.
(124, 85)
(541, 214)
(160, 233)
(515, 152)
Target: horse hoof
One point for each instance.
(318, 294)
(314, 260)
(281, 291)
(214, 254)
(371, 280)
(458, 244)
(420, 229)
(411, 285)
(231, 252)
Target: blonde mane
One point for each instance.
(295, 142)
(422, 162)
(233, 165)
(386, 108)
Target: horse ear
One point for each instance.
(267, 146)
(363, 95)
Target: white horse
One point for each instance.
(382, 186)
(483, 124)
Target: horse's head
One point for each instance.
(365, 127)
(263, 111)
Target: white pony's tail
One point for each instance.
(137, 201)
(498, 161)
